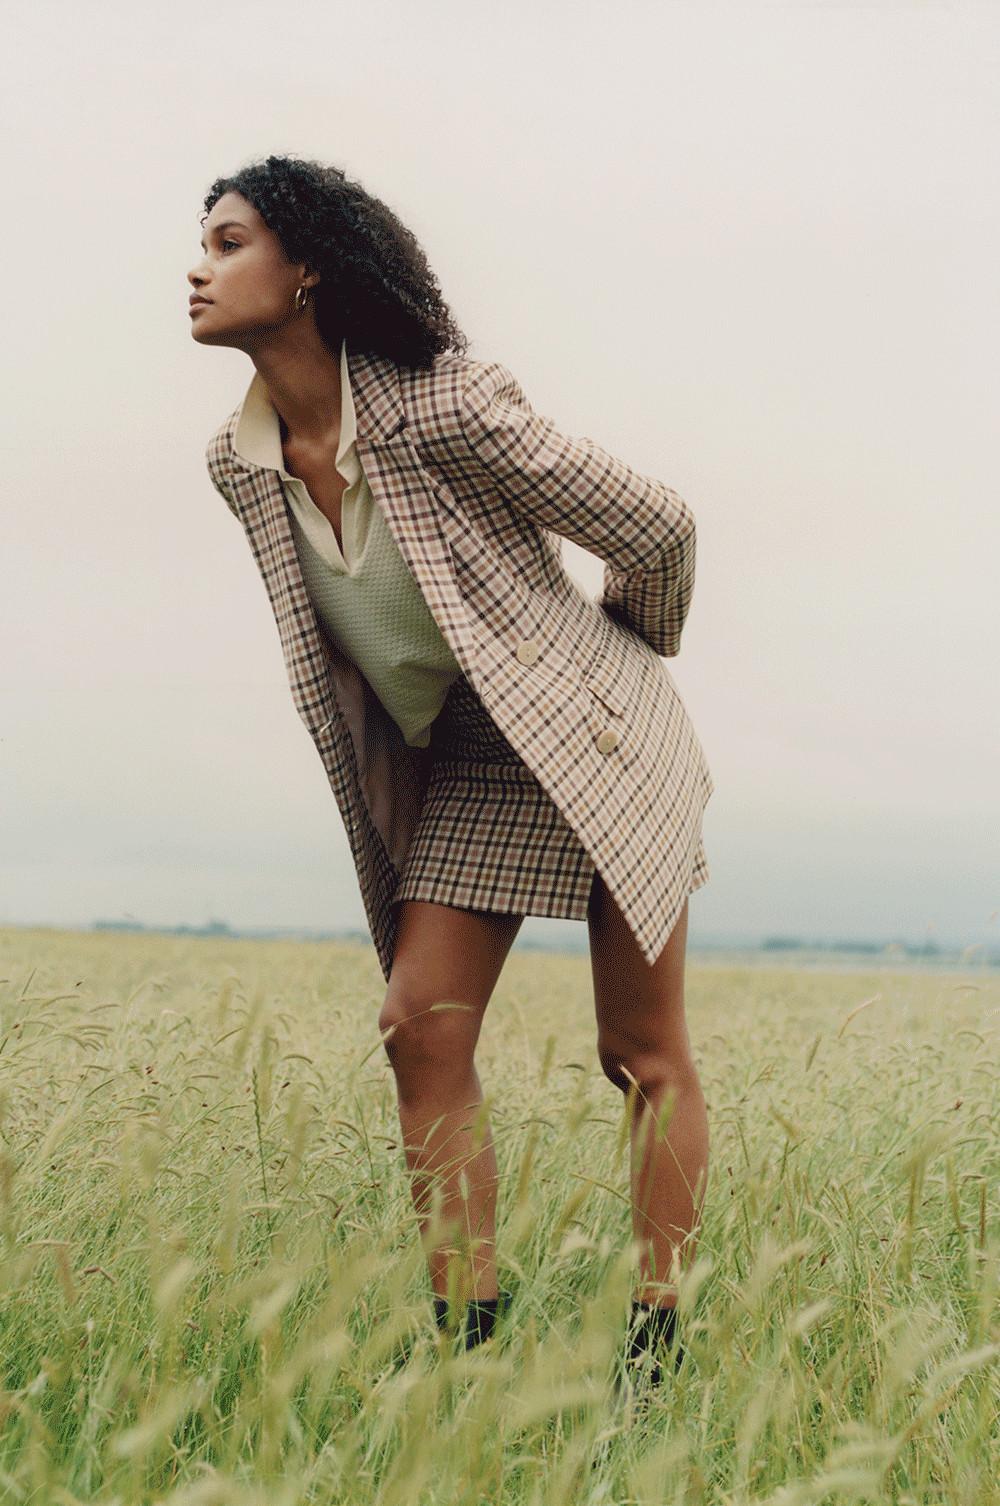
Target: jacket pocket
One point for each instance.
(604, 679)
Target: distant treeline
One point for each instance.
(799, 944)
(925, 950)
(223, 928)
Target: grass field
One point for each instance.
(209, 1254)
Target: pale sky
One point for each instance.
(751, 249)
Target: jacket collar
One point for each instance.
(372, 411)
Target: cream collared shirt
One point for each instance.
(365, 597)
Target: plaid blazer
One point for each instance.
(475, 486)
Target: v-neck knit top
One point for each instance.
(365, 597)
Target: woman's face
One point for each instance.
(244, 274)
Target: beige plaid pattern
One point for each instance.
(474, 485)
(489, 837)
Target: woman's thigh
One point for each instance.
(445, 953)
(639, 1005)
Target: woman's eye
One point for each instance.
(226, 243)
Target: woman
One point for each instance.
(499, 744)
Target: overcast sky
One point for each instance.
(750, 249)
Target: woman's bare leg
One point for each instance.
(642, 1027)
(445, 953)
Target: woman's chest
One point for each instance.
(323, 482)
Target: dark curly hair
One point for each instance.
(376, 288)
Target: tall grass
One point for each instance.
(210, 1268)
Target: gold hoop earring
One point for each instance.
(300, 303)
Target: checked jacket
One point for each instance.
(477, 489)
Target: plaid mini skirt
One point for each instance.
(488, 836)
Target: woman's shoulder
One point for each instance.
(436, 395)
(449, 370)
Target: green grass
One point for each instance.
(208, 1253)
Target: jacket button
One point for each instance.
(607, 740)
(527, 650)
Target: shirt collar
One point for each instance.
(257, 437)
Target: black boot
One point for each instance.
(653, 1331)
(481, 1315)
(441, 1312)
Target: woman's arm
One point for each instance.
(642, 529)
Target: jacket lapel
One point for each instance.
(413, 499)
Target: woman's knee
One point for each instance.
(651, 1068)
(427, 1038)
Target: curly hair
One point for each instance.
(376, 288)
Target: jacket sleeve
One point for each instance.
(218, 472)
(640, 528)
